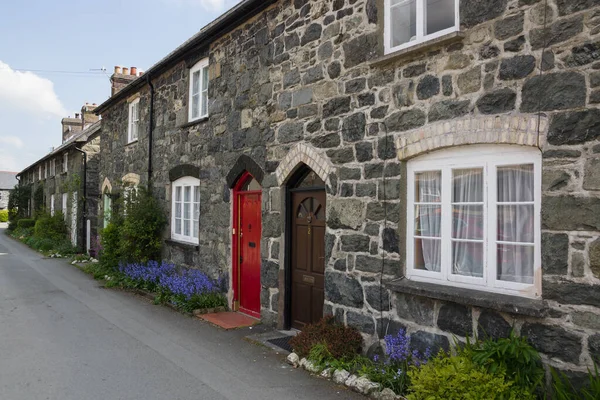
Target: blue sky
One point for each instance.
(76, 36)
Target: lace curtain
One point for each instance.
(428, 247)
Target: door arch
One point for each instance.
(246, 236)
(305, 283)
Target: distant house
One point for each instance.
(66, 179)
(8, 180)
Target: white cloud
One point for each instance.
(28, 91)
(8, 162)
(209, 5)
(12, 141)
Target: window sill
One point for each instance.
(419, 48)
(182, 245)
(194, 122)
(471, 297)
(132, 142)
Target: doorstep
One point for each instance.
(229, 320)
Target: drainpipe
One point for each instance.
(84, 210)
(150, 140)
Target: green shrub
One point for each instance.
(143, 222)
(513, 355)
(51, 227)
(26, 223)
(458, 377)
(3, 215)
(563, 389)
(110, 239)
(343, 342)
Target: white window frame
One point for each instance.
(52, 205)
(53, 167)
(65, 162)
(46, 170)
(40, 172)
(181, 183)
(133, 125)
(488, 157)
(421, 16)
(199, 66)
(65, 200)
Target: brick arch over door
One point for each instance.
(502, 129)
(304, 154)
(244, 163)
(184, 170)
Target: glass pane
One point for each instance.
(186, 227)
(515, 223)
(428, 220)
(428, 187)
(177, 210)
(195, 105)
(187, 193)
(467, 259)
(204, 110)
(197, 194)
(515, 263)
(467, 185)
(196, 82)
(311, 179)
(428, 254)
(320, 213)
(196, 228)
(251, 184)
(515, 183)
(178, 193)
(205, 78)
(467, 222)
(178, 226)
(403, 21)
(440, 15)
(186, 211)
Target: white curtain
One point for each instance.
(428, 220)
(467, 222)
(516, 223)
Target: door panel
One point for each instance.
(249, 264)
(307, 257)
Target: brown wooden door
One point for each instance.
(308, 257)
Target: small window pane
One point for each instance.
(196, 105)
(186, 227)
(467, 185)
(187, 194)
(428, 187)
(251, 184)
(440, 15)
(515, 263)
(516, 183)
(177, 210)
(403, 20)
(205, 78)
(196, 82)
(204, 110)
(468, 222)
(515, 223)
(178, 193)
(196, 228)
(428, 220)
(178, 226)
(467, 259)
(186, 211)
(428, 254)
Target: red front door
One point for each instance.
(249, 229)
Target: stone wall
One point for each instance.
(308, 77)
(4, 195)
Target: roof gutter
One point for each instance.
(222, 25)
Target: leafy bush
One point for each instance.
(513, 355)
(563, 389)
(51, 227)
(459, 377)
(143, 223)
(343, 342)
(110, 244)
(3, 215)
(26, 223)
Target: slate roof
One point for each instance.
(8, 180)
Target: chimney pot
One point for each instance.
(117, 69)
(133, 70)
(125, 71)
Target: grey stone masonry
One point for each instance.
(307, 82)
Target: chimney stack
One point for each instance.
(70, 126)
(87, 114)
(122, 78)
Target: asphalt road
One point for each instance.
(63, 337)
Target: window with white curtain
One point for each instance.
(199, 90)
(65, 197)
(52, 205)
(410, 22)
(134, 121)
(474, 218)
(185, 213)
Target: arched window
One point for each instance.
(474, 218)
(185, 215)
(107, 201)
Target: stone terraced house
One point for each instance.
(66, 179)
(8, 180)
(424, 164)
